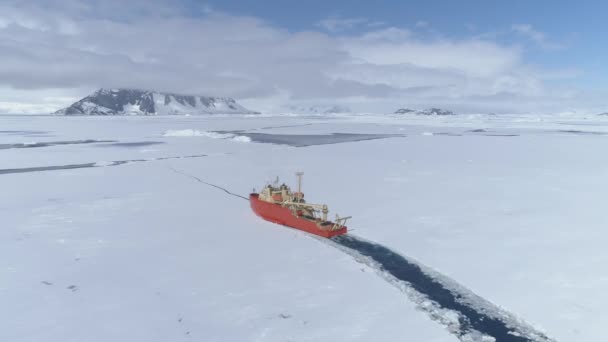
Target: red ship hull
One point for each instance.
(281, 215)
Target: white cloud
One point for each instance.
(470, 57)
(337, 24)
(16, 101)
(68, 48)
(422, 24)
(530, 32)
(536, 36)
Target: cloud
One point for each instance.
(536, 36)
(530, 32)
(15, 101)
(68, 48)
(336, 24)
(469, 57)
(422, 24)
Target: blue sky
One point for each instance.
(580, 26)
(449, 16)
(519, 56)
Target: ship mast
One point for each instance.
(299, 175)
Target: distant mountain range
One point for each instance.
(430, 111)
(316, 109)
(143, 102)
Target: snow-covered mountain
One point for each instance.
(405, 111)
(429, 111)
(316, 109)
(143, 102)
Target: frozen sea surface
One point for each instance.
(304, 140)
(122, 237)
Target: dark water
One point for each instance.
(573, 131)
(448, 134)
(477, 132)
(303, 140)
(500, 135)
(24, 132)
(90, 165)
(52, 143)
(286, 126)
(402, 269)
(46, 168)
(133, 144)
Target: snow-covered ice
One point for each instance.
(198, 133)
(508, 207)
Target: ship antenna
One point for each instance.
(299, 175)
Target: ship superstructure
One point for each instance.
(278, 204)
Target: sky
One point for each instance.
(467, 56)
